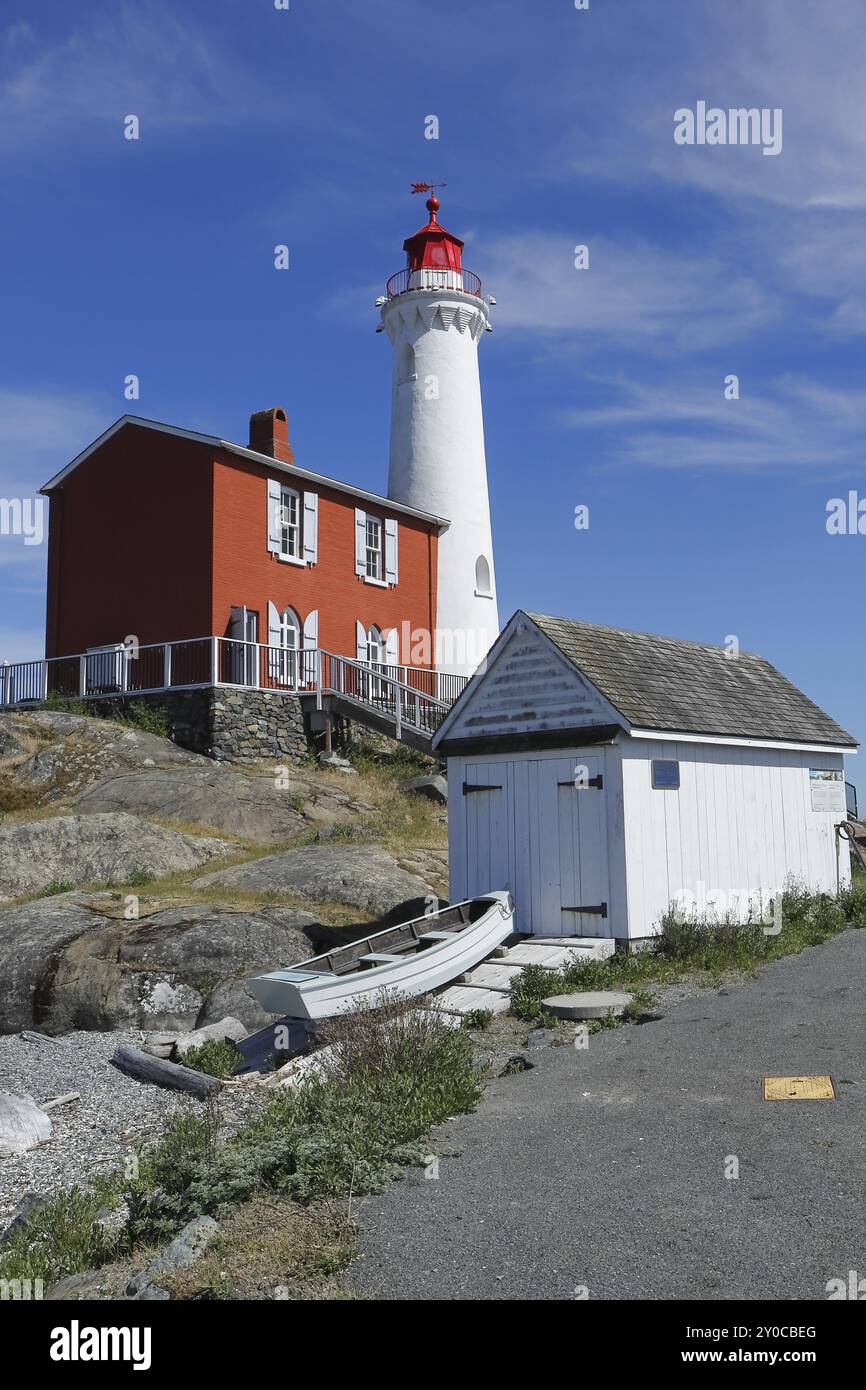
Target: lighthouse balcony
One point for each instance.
(434, 278)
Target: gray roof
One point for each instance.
(669, 684)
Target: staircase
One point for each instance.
(369, 696)
(488, 985)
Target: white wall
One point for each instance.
(741, 820)
(437, 459)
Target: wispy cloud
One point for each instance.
(795, 423)
(147, 59)
(634, 293)
(810, 66)
(39, 433)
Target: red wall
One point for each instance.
(153, 536)
(245, 572)
(130, 542)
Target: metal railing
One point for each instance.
(434, 278)
(414, 697)
(367, 685)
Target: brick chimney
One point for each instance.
(269, 434)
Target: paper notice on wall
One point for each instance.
(827, 786)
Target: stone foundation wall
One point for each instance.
(226, 724)
(247, 725)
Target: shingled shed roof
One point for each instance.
(669, 684)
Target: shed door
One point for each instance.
(536, 828)
(579, 848)
(488, 857)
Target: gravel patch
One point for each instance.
(90, 1136)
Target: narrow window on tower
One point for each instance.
(482, 578)
(375, 549)
(290, 524)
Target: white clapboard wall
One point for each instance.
(741, 820)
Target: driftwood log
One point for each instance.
(158, 1073)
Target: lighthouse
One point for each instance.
(435, 317)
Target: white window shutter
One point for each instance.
(391, 550)
(360, 641)
(311, 527)
(360, 543)
(311, 629)
(275, 535)
(274, 640)
(392, 647)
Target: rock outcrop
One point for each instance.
(75, 849)
(361, 876)
(67, 964)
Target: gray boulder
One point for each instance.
(23, 1124)
(362, 876)
(33, 938)
(183, 1251)
(66, 964)
(78, 750)
(434, 787)
(228, 1028)
(12, 742)
(107, 848)
(235, 997)
(251, 807)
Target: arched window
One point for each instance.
(290, 641)
(375, 648)
(482, 576)
(290, 630)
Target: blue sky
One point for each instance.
(603, 387)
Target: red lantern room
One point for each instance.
(433, 259)
(433, 246)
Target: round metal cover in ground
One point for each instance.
(596, 1003)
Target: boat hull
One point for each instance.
(326, 995)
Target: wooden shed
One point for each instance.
(606, 776)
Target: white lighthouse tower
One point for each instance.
(435, 318)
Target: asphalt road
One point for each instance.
(605, 1168)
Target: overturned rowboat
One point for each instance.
(413, 958)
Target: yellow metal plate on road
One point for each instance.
(799, 1088)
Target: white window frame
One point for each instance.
(291, 548)
(377, 551)
(284, 662)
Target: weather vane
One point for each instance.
(427, 187)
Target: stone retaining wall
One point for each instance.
(224, 723)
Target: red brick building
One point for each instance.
(160, 534)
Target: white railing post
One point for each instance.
(166, 666)
(214, 661)
(82, 676)
(318, 678)
(44, 692)
(398, 706)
